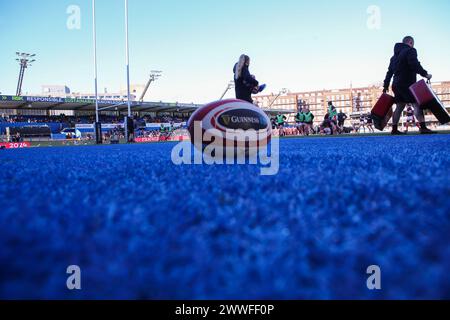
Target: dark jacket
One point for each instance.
(404, 67)
(244, 85)
(342, 117)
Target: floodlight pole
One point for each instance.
(229, 87)
(25, 61)
(19, 83)
(154, 75)
(283, 91)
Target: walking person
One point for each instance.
(341, 119)
(362, 123)
(333, 116)
(404, 67)
(309, 121)
(369, 123)
(300, 121)
(410, 119)
(280, 121)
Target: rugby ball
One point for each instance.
(229, 116)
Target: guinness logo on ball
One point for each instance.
(242, 119)
(226, 119)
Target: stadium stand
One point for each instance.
(86, 119)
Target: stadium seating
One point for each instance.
(85, 119)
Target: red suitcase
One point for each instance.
(427, 99)
(382, 111)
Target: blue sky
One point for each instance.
(300, 45)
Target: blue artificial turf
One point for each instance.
(141, 227)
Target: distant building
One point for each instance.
(62, 91)
(55, 90)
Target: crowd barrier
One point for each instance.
(161, 139)
(54, 127)
(89, 128)
(14, 145)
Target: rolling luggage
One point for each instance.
(382, 111)
(427, 99)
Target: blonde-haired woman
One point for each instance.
(245, 83)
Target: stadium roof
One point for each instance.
(54, 103)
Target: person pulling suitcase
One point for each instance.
(404, 67)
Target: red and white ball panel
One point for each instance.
(232, 114)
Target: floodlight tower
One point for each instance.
(282, 91)
(154, 75)
(25, 60)
(230, 86)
